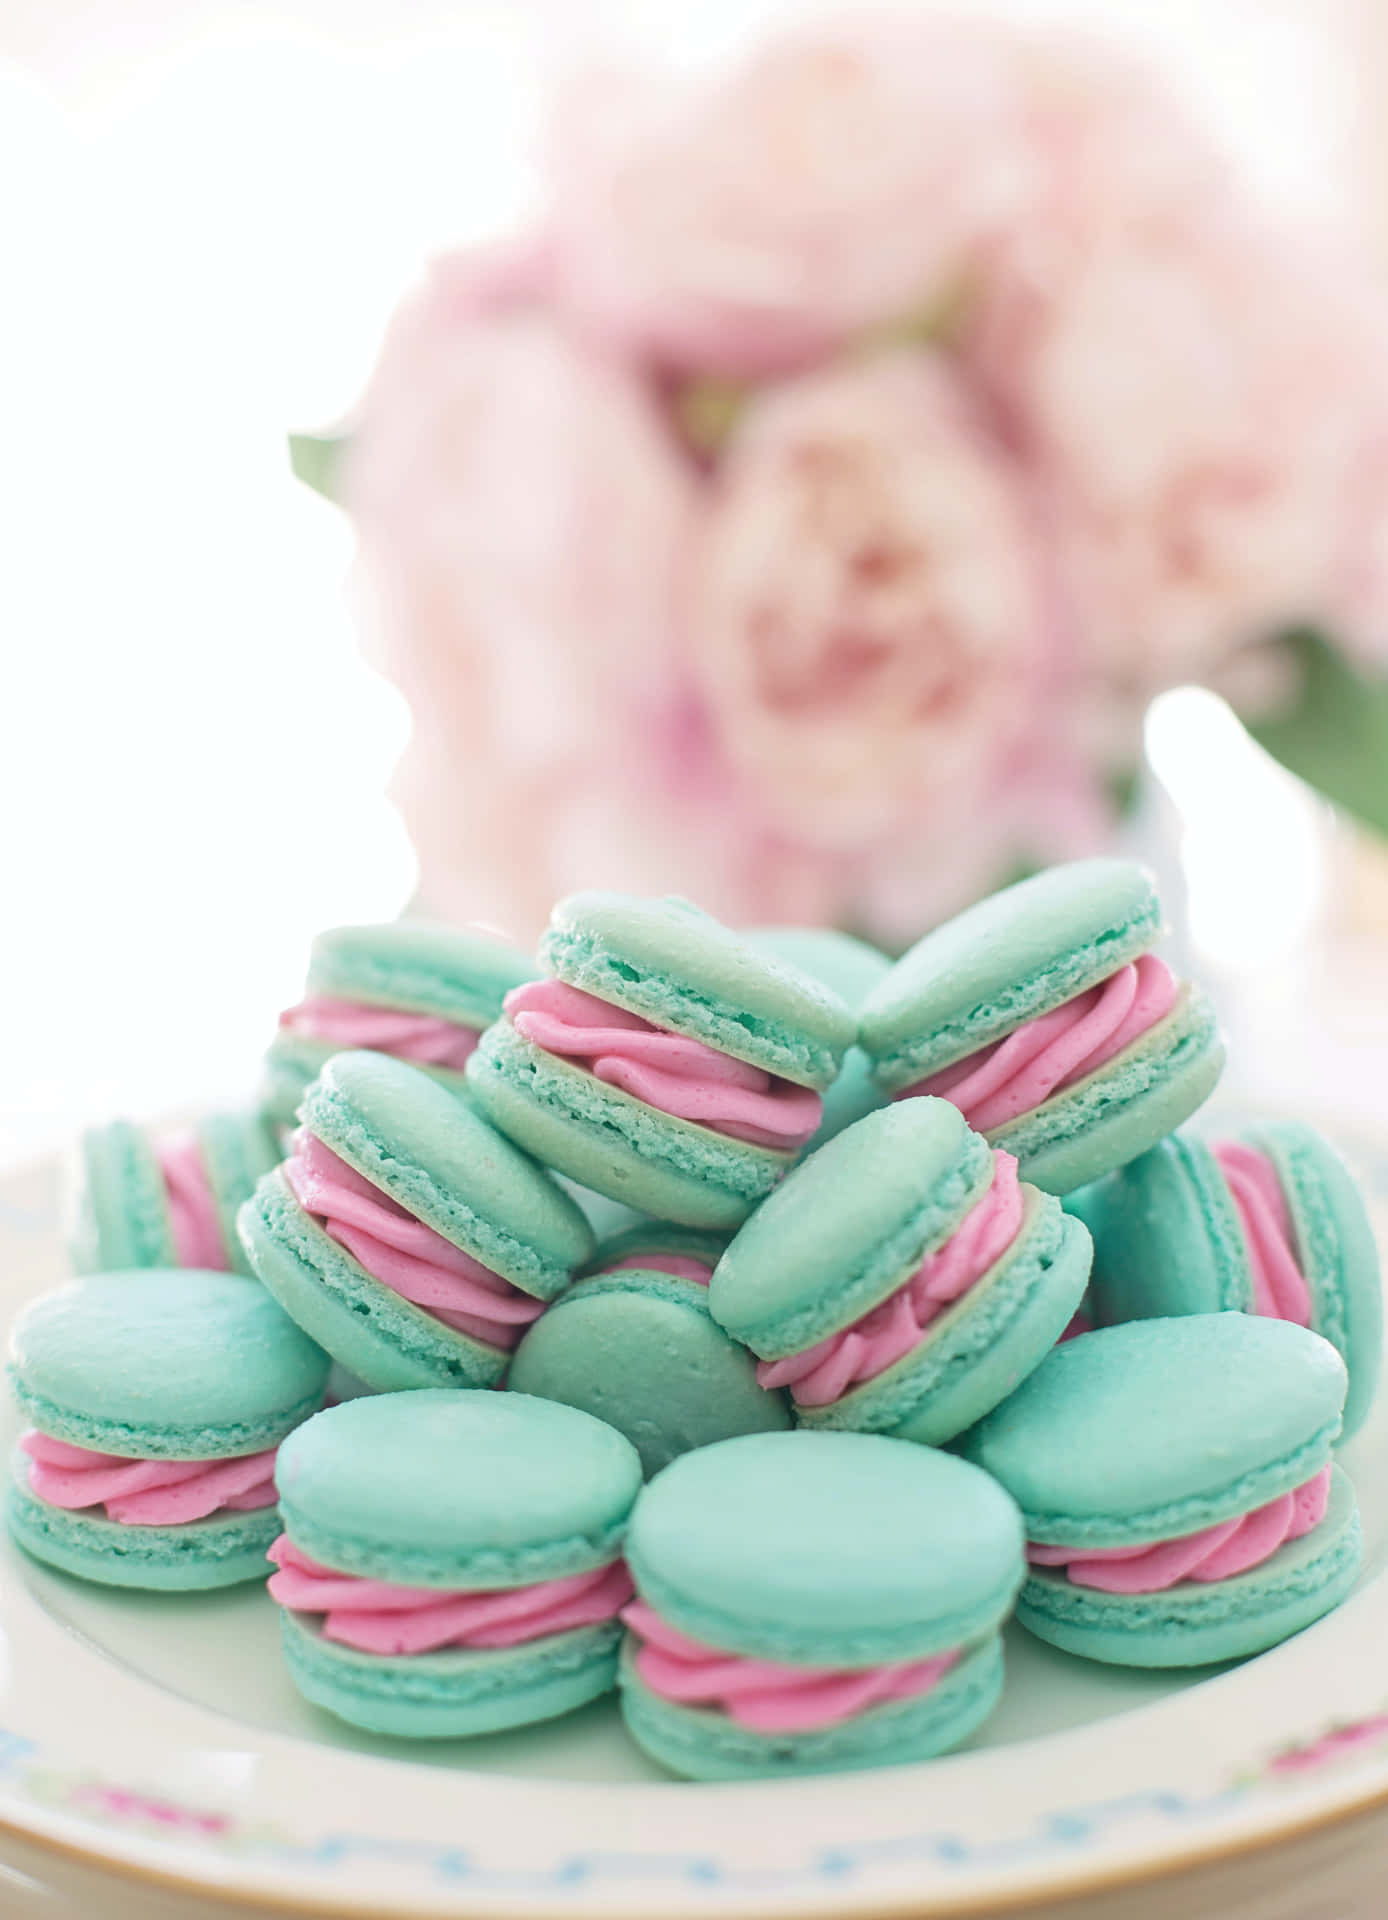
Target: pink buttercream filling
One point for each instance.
(1215, 1553)
(147, 1493)
(1280, 1291)
(762, 1694)
(197, 1232)
(402, 1253)
(422, 1037)
(680, 1264)
(379, 1618)
(888, 1332)
(1016, 1074)
(665, 1070)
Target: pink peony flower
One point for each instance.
(835, 180)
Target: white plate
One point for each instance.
(160, 1736)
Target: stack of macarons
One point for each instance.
(868, 1209)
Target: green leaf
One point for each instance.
(316, 459)
(1335, 733)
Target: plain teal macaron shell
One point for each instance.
(1168, 1240)
(706, 1745)
(683, 971)
(164, 1365)
(221, 1551)
(418, 967)
(851, 968)
(1196, 1622)
(640, 1350)
(457, 1489)
(441, 1161)
(118, 1206)
(826, 1549)
(1160, 1428)
(1006, 960)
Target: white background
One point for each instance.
(208, 211)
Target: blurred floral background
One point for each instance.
(826, 464)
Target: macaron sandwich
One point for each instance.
(807, 1602)
(404, 1234)
(420, 992)
(451, 1561)
(1268, 1221)
(662, 1061)
(903, 1280)
(634, 1344)
(144, 1199)
(1043, 1014)
(156, 1402)
(1176, 1482)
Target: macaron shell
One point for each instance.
(848, 1226)
(1338, 1251)
(224, 1550)
(293, 1062)
(982, 1348)
(164, 1365)
(1123, 1107)
(658, 1236)
(457, 1489)
(826, 1549)
(442, 1162)
(118, 1203)
(1197, 1622)
(237, 1150)
(613, 1143)
(686, 972)
(851, 968)
(455, 1693)
(419, 968)
(1159, 1428)
(1014, 956)
(641, 1351)
(388, 1342)
(702, 1744)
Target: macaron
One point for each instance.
(663, 1061)
(902, 1280)
(420, 992)
(810, 1602)
(404, 1234)
(634, 1344)
(1176, 1483)
(1269, 1221)
(1044, 1016)
(143, 1199)
(851, 968)
(451, 1561)
(155, 1402)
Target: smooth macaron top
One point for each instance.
(456, 1488)
(676, 967)
(848, 966)
(848, 1225)
(826, 1549)
(1159, 1428)
(1014, 956)
(434, 1154)
(420, 968)
(164, 1364)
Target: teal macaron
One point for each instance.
(634, 1344)
(811, 1602)
(850, 968)
(1043, 1013)
(1176, 1483)
(902, 1280)
(405, 1234)
(143, 1199)
(495, 1520)
(1269, 1221)
(155, 1399)
(410, 988)
(664, 1061)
